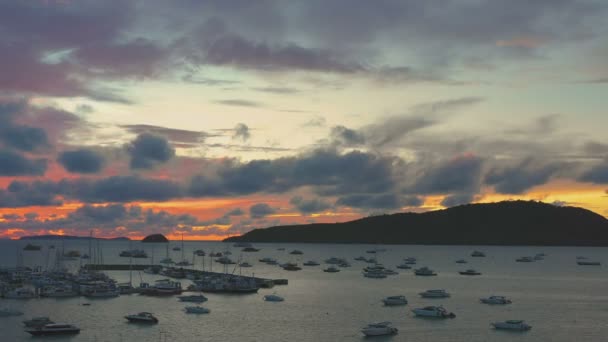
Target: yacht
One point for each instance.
(394, 300)
(134, 253)
(9, 312)
(525, 259)
(374, 274)
(64, 290)
(102, 291)
(379, 329)
(142, 317)
(360, 258)
(434, 294)
(478, 254)
(228, 284)
(410, 261)
(193, 298)
(250, 249)
(424, 271)
(539, 256)
(335, 261)
(500, 300)
(176, 248)
(470, 272)
(30, 247)
(167, 261)
(588, 263)
(224, 260)
(183, 263)
(54, 329)
(199, 252)
(296, 252)
(331, 269)
(245, 264)
(291, 267)
(273, 298)
(37, 322)
(20, 293)
(518, 325)
(311, 263)
(404, 266)
(163, 287)
(196, 310)
(242, 245)
(461, 261)
(433, 311)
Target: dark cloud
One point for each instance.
(457, 199)
(235, 212)
(148, 150)
(175, 135)
(17, 136)
(341, 135)
(277, 90)
(460, 174)
(81, 161)
(260, 210)
(13, 164)
(370, 201)
(309, 206)
(412, 201)
(20, 194)
(241, 131)
(597, 174)
(208, 81)
(239, 103)
(519, 178)
(11, 217)
(317, 121)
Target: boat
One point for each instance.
(162, 287)
(20, 293)
(461, 261)
(102, 291)
(371, 251)
(424, 271)
(410, 261)
(331, 269)
(404, 266)
(72, 254)
(193, 298)
(30, 247)
(525, 259)
(54, 329)
(199, 252)
(434, 294)
(273, 298)
(85, 256)
(291, 267)
(4, 312)
(227, 284)
(499, 300)
(360, 258)
(64, 290)
(245, 264)
(183, 263)
(196, 310)
(296, 252)
(311, 263)
(394, 300)
(433, 311)
(250, 249)
(374, 274)
(224, 260)
(167, 261)
(379, 329)
(470, 272)
(135, 253)
(142, 317)
(335, 261)
(37, 322)
(517, 325)
(588, 263)
(242, 245)
(478, 254)
(176, 248)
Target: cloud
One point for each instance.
(309, 206)
(519, 178)
(460, 174)
(317, 121)
(174, 135)
(13, 164)
(260, 210)
(241, 131)
(239, 103)
(149, 150)
(17, 136)
(597, 174)
(457, 199)
(81, 161)
(277, 90)
(341, 135)
(370, 201)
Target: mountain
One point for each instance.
(155, 238)
(503, 223)
(67, 237)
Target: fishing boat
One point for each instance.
(193, 298)
(142, 317)
(54, 329)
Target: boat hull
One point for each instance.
(40, 332)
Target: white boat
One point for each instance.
(517, 325)
(193, 298)
(20, 293)
(379, 329)
(433, 311)
(54, 329)
(331, 269)
(311, 263)
(499, 300)
(424, 271)
(4, 312)
(142, 317)
(273, 298)
(196, 310)
(37, 322)
(394, 300)
(434, 294)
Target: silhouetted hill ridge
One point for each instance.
(502, 223)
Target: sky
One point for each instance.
(213, 118)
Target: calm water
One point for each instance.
(562, 301)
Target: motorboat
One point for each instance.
(162, 287)
(374, 274)
(4, 312)
(273, 298)
(539, 256)
(250, 249)
(30, 247)
(280, 249)
(291, 267)
(267, 260)
(311, 263)
(134, 253)
(183, 263)
(434, 294)
(228, 284)
(360, 258)
(242, 245)
(335, 261)
(54, 329)
(224, 260)
(331, 269)
(20, 293)
(588, 263)
(199, 252)
(525, 259)
(470, 272)
(193, 298)
(64, 290)
(102, 291)
(478, 254)
(296, 252)
(176, 248)
(371, 251)
(461, 261)
(379, 329)
(245, 264)
(37, 322)
(433, 311)
(517, 325)
(196, 310)
(424, 271)
(498, 300)
(142, 317)
(167, 261)
(404, 266)
(394, 300)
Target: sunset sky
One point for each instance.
(212, 118)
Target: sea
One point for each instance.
(560, 299)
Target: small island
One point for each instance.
(155, 238)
